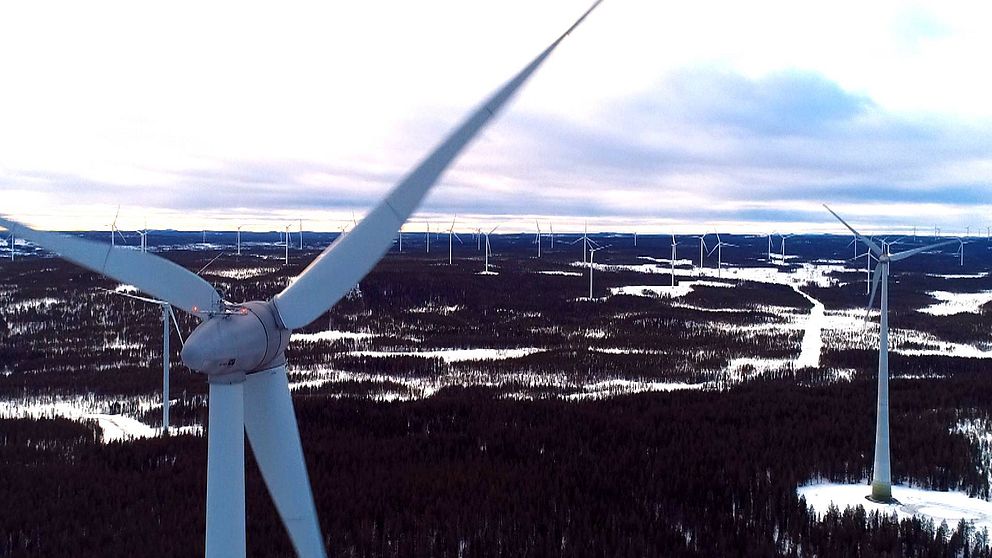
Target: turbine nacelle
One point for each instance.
(244, 340)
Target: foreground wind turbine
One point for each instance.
(167, 315)
(240, 347)
(881, 480)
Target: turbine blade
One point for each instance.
(903, 255)
(175, 322)
(876, 276)
(151, 274)
(869, 242)
(275, 440)
(226, 471)
(344, 263)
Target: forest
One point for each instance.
(504, 468)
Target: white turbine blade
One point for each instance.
(226, 471)
(275, 440)
(869, 242)
(903, 255)
(874, 288)
(175, 322)
(336, 271)
(151, 274)
(710, 253)
(129, 295)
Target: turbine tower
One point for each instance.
(784, 237)
(702, 246)
(719, 254)
(114, 231)
(881, 481)
(239, 240)
(592, 252)
(428, 237)
(167, 316)
(240, 347)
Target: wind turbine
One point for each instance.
(635, 239)
(143, 233)
(11, 245)
(961, 251)
(428, 237)
(488, 250)
(592, 252)
(719, 254)
(167, 314)
(881, 481)
(240, 347)
(551, 235)
(769, 235)
(239, 239)
(784, 237)
(702, 246)
(537, 238)
(674, 257)
(287, 245)
(114, 229)
(452, 234)
(301, 232)
(399, 234)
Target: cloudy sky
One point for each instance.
(653, 116)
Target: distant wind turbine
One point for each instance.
(719, 254)
(428, 237)
(114, 231)
(702, 246)
(881, 482)
(488, 249)
(239, 240)
(784, 237)
(301, 232)
(537, 238)
(675, 256)
(592, 252)
(452, 234)
(551, 235)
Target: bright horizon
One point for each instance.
(655, 118)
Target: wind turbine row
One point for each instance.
(240, 347)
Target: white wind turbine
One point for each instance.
(287, 245)
(240, 347)
(301, 233)
(239, 239)
(488, 250)
(537, 237)
(428, 237)
(592, 252)
(10, 245)
(719, 254)
(784, 237)
(675, 255)
(702, 246)
(143, 234)
(167, 315)
(399, 235)
(551, 235)
(881, 482)
(961, 251)
(114, 231)
(452, 235)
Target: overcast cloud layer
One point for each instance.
(648, 117)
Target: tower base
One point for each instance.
(881, 493)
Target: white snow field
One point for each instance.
(957, 303)
(951, 507)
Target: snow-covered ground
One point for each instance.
(957, 303)
(329, 335)
(951, 507)
(455, 355)
(114, 427)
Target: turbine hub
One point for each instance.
(247, 339)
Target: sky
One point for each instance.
(651, 116)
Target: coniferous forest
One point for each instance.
(512, 457)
